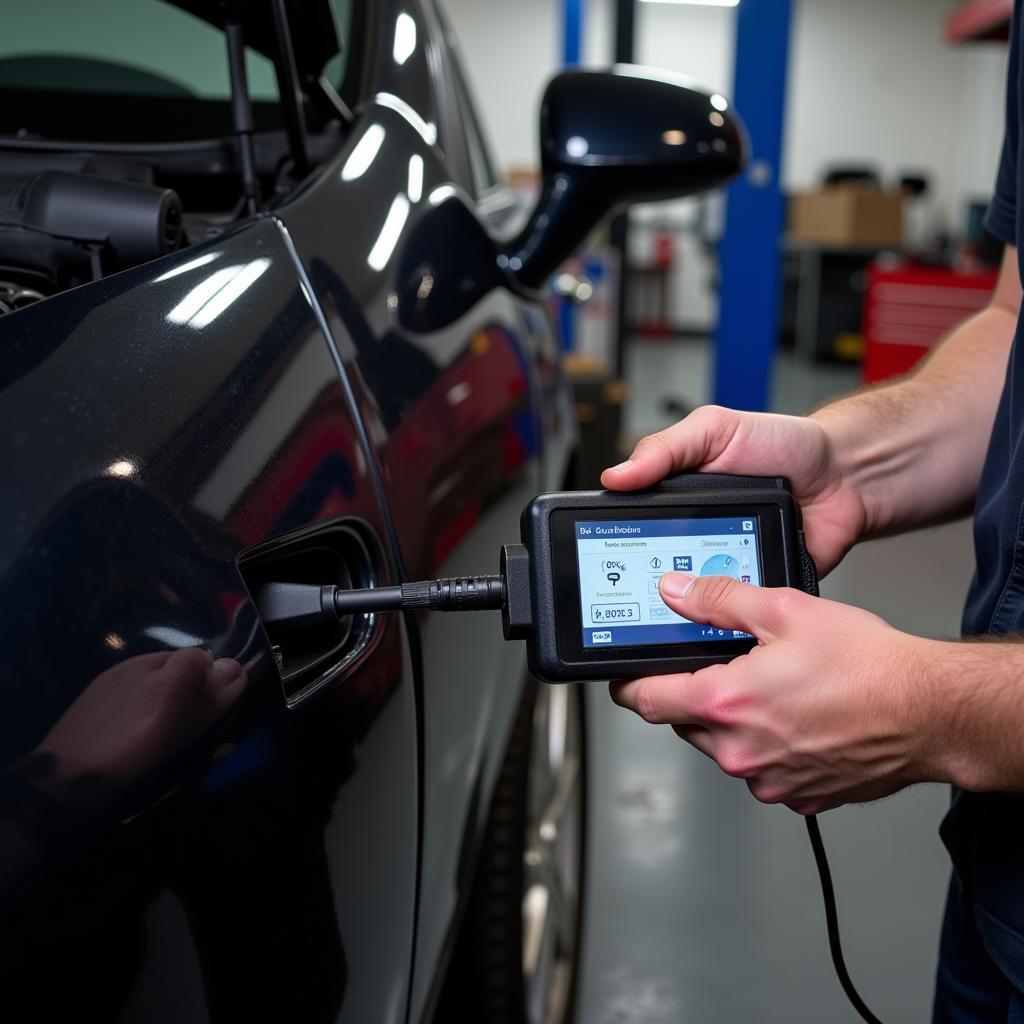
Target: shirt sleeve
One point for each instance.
(1001, 218)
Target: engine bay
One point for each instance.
(69, 216)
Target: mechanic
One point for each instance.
(835, 706)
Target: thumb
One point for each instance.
(728, 604)
(689, 444)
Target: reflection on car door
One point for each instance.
(175, 843)
(434, 345)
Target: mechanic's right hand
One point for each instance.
(717, 440)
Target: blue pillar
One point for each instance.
(750, 253)
(572, 36)
(572, 31)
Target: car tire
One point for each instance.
(516, 958)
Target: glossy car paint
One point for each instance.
(163, 421)
(457, 380)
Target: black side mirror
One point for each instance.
(608, 138)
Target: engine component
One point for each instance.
(79, 226)
(16, 296)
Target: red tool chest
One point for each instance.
(909, 309)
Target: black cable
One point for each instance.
(457, 594)
(300, 605)
(828, 895)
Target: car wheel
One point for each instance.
(517, 954)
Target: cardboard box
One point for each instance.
(847, 215)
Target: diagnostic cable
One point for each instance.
(582, 590)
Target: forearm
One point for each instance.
(913, 450)
(968, 700)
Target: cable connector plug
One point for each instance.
(458, 594)
(301, 605)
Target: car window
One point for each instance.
(481, 164)
(336, 69)
(58, 56)
(143, 46)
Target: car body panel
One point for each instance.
(476, 423)
(160, 422)
(356, 354)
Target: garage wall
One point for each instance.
(981, 118)
(510, 50)
(693, 39)
(874, 82)
(698, 41)
(870, 82)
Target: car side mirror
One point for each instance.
(609, 138)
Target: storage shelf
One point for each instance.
(977, 20)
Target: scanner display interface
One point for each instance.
(620, 563)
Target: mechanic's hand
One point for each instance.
(716, 440)
(828, 709)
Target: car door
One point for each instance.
(445, 363)
(182, 840)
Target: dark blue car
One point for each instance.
(268, 314)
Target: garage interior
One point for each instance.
(847, 249)
(703, 905)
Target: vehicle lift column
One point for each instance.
(750, 253)
(573, 12)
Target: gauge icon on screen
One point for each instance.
(721, 565)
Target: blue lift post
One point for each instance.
(572, 31)
(750, 254)
(572, 36)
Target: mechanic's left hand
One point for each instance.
(830, 707)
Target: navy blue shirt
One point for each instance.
(985, 832)
(995, 603)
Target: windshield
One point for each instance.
(124, 71)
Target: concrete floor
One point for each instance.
(703, 905)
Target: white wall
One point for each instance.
(982, 116)
(697, 41)
(509, 50)
(874, 82)
(871, 81)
